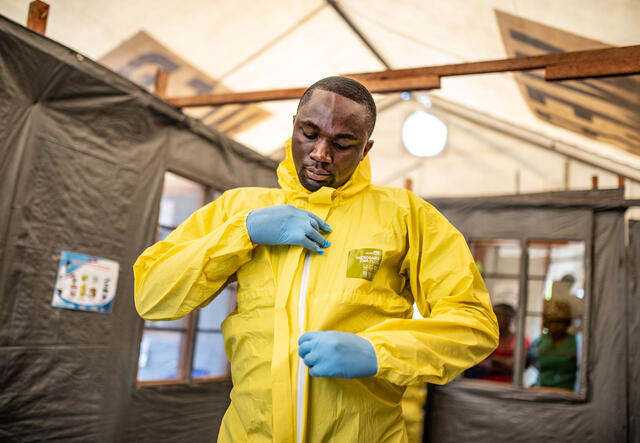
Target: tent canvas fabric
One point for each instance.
(83, 155)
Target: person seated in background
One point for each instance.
(499, 365)
(554, 353)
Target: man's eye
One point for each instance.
(310, 136)
(339, 146)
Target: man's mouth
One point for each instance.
(316, 174)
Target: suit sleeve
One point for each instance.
(459, 328)
(187, 270)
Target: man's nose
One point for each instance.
(321, 151)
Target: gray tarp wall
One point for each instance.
(83, 152)
(600, 411)
(633, 319)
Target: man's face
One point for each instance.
(330, 137)
(504, 320)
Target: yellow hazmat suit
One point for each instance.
(388, 248)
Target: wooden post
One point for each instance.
(594, 182)
(621, 179)
(408, 184)
(161, 83)
(517, 181)
(566, 173)
(37, 18)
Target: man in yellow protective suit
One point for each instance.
(322, 342)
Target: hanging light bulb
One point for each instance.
(424, 134)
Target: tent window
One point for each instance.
(191, 347)
(499, 263)
(547, 335)
(553, 323)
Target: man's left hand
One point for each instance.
(337, 354)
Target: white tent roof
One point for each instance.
(253, 45)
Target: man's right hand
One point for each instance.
(286, 225)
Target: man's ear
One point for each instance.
(367, 148)
(294, 119)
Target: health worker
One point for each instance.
(322, 342)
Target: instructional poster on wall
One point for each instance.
(85, 283)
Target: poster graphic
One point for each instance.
(85, 283)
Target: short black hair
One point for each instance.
(506, 308)
(348, 88)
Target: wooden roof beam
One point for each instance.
(416, 83)
(562, 66)
(606, 55)
(592, 69)
(225, 98)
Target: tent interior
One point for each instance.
(533, 173)
(205, 47)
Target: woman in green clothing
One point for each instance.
(555, 352)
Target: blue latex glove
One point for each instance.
(286, 225)
(337, 354)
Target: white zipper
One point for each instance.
(302, 368)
